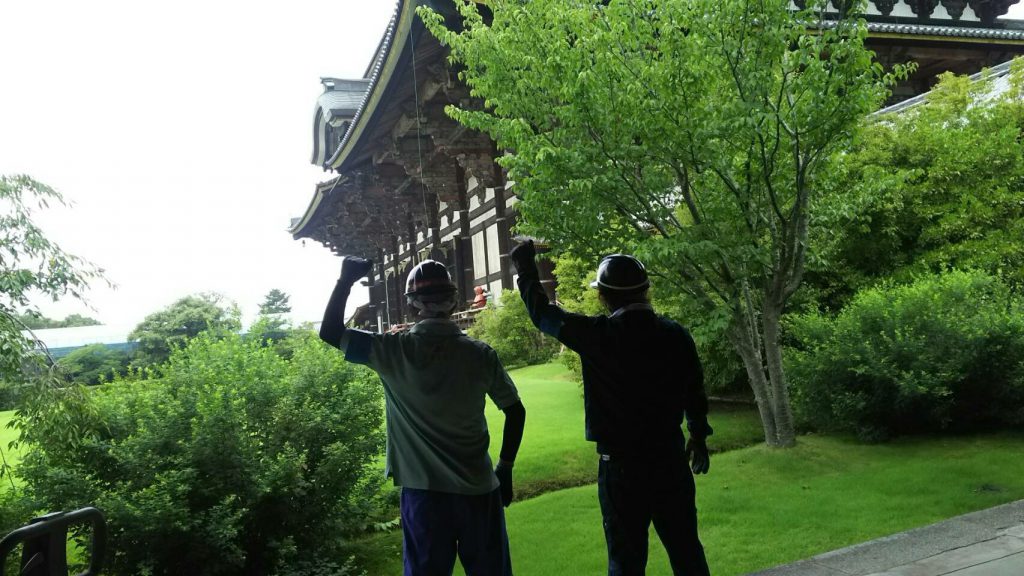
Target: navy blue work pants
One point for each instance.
(637, 490)
(437, 526)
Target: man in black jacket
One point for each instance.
(641, 375)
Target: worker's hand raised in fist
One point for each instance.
(523, 257)
(353, 268)
(697, 455)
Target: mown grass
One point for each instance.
(7, 435)
(554, 454)
(761, 507)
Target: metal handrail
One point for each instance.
(45, 543)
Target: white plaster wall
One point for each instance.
(493, 254)
(479, 255)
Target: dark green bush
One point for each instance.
(236, 461)
(94, 363)
(508, 329)
(945, 352)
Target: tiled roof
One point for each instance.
(950, 31)
(374, 76)
(342, 95)
(1000, 83)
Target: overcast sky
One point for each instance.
(181, 131)
(182, 134)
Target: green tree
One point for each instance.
(94, 364)
(932, 188)
(275, 302)
(32, 264)
(272, 324)
(690, 132)
(36, 321)
(160, 332)
(507, 328)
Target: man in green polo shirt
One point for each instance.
(436, 381)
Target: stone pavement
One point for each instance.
(985, 543)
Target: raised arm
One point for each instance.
(332, 329)
(545, 315)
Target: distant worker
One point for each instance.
(480, 300)
(641, 375)
(436, 380)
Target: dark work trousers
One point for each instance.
(636, 490)
(438, 525)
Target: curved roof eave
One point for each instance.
(394, 42)
(322, 190)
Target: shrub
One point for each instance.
(94, 363)
(942, 353)
(234, 462)
(507, 328)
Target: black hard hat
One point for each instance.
(429, 277)
(621, 273)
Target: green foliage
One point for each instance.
(942, 353)
(275, 302)
(234, 461)
(162, 332)
(507, 328)
(692, 133)
(30, 263)
(929, 189)
(575, 295)
(94, 364)
(36, 321)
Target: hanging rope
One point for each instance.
(419, 139)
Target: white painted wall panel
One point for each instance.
(493, 254)
(479, 255)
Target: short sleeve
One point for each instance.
(362, 347)
(502, 390)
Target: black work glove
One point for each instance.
(353, 268)
(697, 455)
(504, 473)
(523, 257)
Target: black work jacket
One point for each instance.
(641, 374)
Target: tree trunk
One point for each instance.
(745, 344)
(755, 338)
(777, 377)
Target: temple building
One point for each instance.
(410, 183)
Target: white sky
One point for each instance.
(182, 134)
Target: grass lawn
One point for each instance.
(555, 454)
(7, 435)
(762, 507)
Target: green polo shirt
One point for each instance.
(435, 382)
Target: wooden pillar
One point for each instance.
(383, 312)
(503, 228)
(397, 296)
(464, 240)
